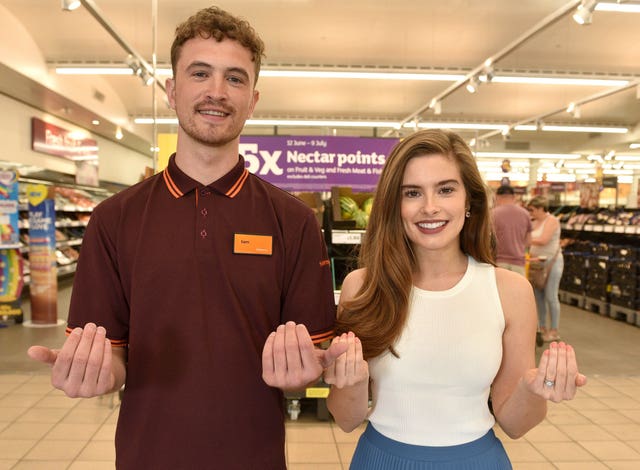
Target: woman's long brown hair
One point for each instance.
(378, 313)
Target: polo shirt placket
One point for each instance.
(204, 201)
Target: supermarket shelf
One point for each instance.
(603, 228)
(24, 224)
(65, 208)
(11, 247)
(66, 243)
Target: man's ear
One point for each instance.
(170, 85)
(256, 97)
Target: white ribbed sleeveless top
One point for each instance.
(551, 248)
(436, 393)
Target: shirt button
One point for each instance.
(203, 233)
(204, 212)
(205, 192)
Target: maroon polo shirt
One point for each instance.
(192, 279)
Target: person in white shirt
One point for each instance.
(439, 338)
(545, 244)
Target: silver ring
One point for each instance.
(549, 383)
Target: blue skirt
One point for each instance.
(377, 452)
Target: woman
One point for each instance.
(433, 328)
(545, 243)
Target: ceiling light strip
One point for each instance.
(558, 81)
(361, 75)
(519, 155)
(400, 76)
(396, 125)
(559, 128)
(628, 158)
(320, 123)
(456, 125)
(93, 71)
(618, 7)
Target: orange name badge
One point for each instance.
(252, 244)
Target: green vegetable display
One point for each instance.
(348, 207)
(367, 205)
(350, 211)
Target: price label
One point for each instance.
(588, 228)
(629, 229)
(599, 228)
(346, 237)
(618, 229)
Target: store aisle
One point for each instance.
(42, 429)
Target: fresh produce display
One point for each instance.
(348, 207)
(367, 205)
(351, 211)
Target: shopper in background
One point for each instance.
(433, 328)
(545, 244)
(513, 230)
(184, 277)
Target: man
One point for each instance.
(513, 230)
(184, 277)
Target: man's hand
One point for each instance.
(290, 361)
(83, 367)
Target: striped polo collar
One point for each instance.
(179, 184)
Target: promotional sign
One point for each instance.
(307, 163)
(54, 140)
(11, 277)
(610, 182)
(42, 256)
(9, 216)
(312, 163)
(558, 187)
(12, 282)
(589, 195)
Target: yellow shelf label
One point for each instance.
(317, 392)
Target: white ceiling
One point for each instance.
(452, 35)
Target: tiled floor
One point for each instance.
(42, 429)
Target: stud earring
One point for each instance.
(467, 214)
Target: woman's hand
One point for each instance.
(350, 368)
(557, 377)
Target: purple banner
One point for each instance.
(312, 163)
